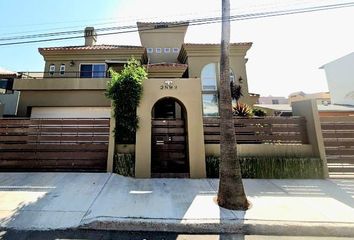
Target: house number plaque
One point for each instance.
(168, 85)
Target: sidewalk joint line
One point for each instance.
(94, 200)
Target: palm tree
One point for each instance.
(231, 193)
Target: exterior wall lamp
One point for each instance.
(72, 63)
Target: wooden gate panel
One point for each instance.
(338, 135)
(169, 148)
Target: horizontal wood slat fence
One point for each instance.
(260, 130)
(338, 136)
(54, 144)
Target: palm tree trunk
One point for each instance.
(231, 193)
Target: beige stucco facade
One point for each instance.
(188, 92)
(167, 59)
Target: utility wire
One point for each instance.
(191, 22)
(103, 21)
(75, 32)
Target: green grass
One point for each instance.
(271, 167)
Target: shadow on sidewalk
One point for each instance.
(341, 190)
(110, 235)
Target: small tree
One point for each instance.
(236, 91)
(125, 90)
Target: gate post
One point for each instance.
(309, 110)
(111, 143)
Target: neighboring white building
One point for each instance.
(340, 79)
(272, 100)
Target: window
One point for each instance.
(209, 90)
(175, 50)
(150, 50)
(93, 70)
(167, 50)
(209, 77)
(62, 69)
(158, 50)
(232, 76)
(275, 101)
(51, 69)
(210, 104)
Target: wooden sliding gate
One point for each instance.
(53, 144)
(338, 136)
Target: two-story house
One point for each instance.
(181, 89)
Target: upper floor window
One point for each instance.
(93, 70)
(158, 50)
(149, 50)
(232, 76)
(62, 69)
(51, 69)
(208, 77)
(175, 50)
(167, 50)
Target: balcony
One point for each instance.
(61, 81)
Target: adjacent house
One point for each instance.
(272, 100)
(181, 89)
(8, 97)
(322, 98)
(340, 79)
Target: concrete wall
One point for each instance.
(152, 35)
(340, 77)
(55, 98)
(61, 84)
(308, 109)
(1, 109)
(10, 102)
(188, 92)
(79, 57)
(304, 150)
(71, 112)
(237, 64)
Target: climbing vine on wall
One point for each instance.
(125, 89)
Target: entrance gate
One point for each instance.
(169, 156)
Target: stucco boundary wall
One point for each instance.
(304, 150)
(309, 110)
(269, 150)
(315, 148)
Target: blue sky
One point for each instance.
(285, 57)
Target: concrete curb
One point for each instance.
(248, 227)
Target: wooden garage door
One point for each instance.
(53, 144)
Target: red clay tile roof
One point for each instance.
(6, 73)
(94, 47)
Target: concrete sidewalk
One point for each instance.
(51, 201)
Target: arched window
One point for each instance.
(208, 77)
(209, 90)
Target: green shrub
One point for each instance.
(124, 164)
(125, 90)
(259, 112)
(271, 167)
